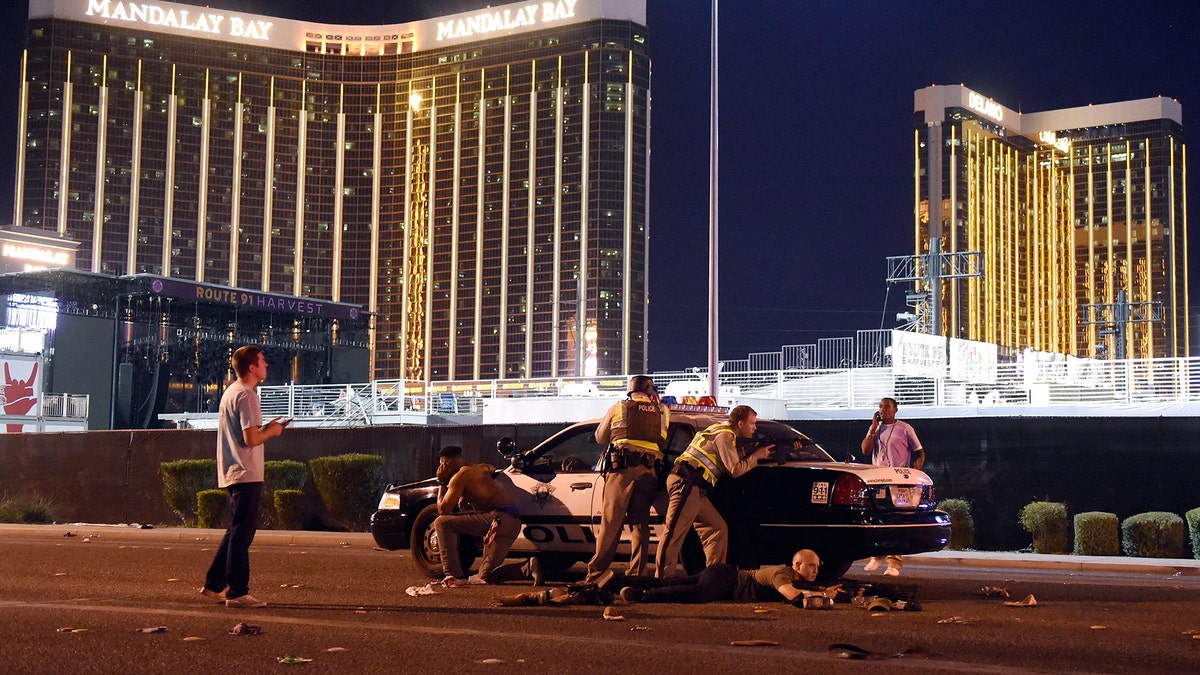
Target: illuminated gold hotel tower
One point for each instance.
(477, 181)
(1068, 207)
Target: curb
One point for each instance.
(185, 534)
(1063, 563)
(990, 559)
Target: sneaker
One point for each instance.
(631, 594)
(892, 572)
(535, 571)
(246, 601)
(215, 595)
(605, 577)
(476, 580)
(872, 565)
(453, 582)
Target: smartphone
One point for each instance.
(877, 417)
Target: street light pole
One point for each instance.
(712, 212)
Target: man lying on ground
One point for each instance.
(723, 581)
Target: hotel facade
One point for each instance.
(1079, 214)
(478, 182)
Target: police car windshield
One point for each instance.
(790, 445)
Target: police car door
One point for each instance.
(555, 491)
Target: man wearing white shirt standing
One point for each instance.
(891, 442)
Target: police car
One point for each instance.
(801, 498)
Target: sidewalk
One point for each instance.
(997, 559)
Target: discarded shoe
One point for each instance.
(892, 572)
(535, 571)
(246, 601)
(880, 605)
(631, 594)
(215, 595)
(872, 565)
(454, 582)
(476, 580)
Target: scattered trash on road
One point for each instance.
(292, 660)
(1027, 601)
(245, 629)
(151, 629)
(427, 589)
(610, 614)
(492, 661)
(754, 643)
(994, 592)
(845, 651)
(957, 619)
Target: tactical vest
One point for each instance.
(702, 451)
(638, 426)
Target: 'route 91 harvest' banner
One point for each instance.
(249, 299)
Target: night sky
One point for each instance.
(816, 136)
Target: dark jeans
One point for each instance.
(715, 582)
(231, 565)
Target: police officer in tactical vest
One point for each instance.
(635, 431)
(711, 455)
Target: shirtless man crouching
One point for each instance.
(486, 512)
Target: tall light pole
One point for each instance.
(712, 213)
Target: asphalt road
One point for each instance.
(75, 604)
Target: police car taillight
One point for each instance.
(849, 490)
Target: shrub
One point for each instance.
(1047, 522)
(211, 506)
(1193, 523)
(289, 509)
(30, 509)
(1097, 533)
(349, 486)
(280, 474)
(182, 479)
(962, 525)
(1155, 534)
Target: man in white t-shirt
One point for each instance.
(240, 467)
(891, 442)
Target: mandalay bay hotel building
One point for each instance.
(476, 181)
(1073, 210)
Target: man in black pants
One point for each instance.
(723, 581)
(240, 466)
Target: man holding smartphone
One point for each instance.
(240, 470)
(891, 442)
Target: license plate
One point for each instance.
(906, 497)
(820, 493)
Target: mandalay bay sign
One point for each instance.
(199, 21)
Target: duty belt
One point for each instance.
(691, 475)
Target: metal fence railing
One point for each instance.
(1035, 383)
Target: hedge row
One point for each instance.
(349, 486)
(1155, 534)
